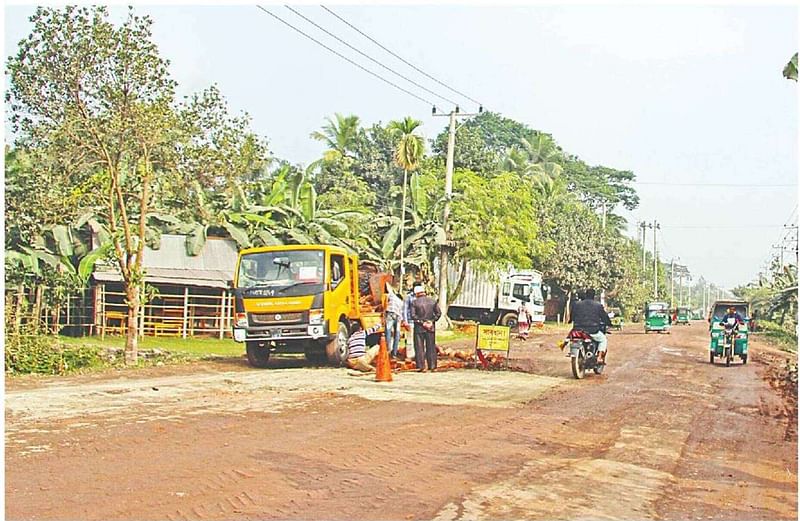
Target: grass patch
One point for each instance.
(778, 335)
(448, 337)
(197, 347)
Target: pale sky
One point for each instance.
(678, 94)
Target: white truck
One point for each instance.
(496, 302)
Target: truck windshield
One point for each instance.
(298, 272)
(531, 292)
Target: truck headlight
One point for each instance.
(241, 319)
(315, 316)
(239, 335)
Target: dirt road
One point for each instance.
(661, 435)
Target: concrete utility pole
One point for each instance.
(703, 298)
(672, 284)
(780, 247)
(683, 272)
(604, 215)
(448, 195)
(643, 226)
(796, 237)
(655, 227)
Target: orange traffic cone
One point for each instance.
(383, 368)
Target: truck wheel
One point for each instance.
(509, 320)
(257, 354)
(336, 350)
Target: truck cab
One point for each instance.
(514, 288)
(296, 299)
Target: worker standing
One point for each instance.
(424, 313)
(406, 322)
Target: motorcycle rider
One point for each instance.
(589, 316)
(732, 313)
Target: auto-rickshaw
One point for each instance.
(728, 340)
(656, 317)
(683, 315)
(615, 314)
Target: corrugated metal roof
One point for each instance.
(171, 265)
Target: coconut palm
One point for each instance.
(536, 155)
(340, 135)
(407, 155)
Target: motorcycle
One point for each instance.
(583, 353)
(729, 339)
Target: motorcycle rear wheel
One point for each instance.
(578, 369)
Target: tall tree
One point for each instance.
(103, 92)
(340, 134)
(409, 152)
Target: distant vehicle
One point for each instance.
(684, 315)
(728, 339)
(656, 317)
(615, 314)
(488, 302)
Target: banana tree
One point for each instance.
(425, 235)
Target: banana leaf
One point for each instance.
(63, 239)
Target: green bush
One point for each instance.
(779, 335)
(30, 349)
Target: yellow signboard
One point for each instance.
(493, 338)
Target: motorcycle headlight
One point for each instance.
(315, 316)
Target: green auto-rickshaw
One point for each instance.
(727, 342)
(615, 314)
(684, 315)
(656, 317)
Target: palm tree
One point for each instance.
(407, 155)
(340, 135)
(534, 156)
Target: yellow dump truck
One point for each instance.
(300, 299)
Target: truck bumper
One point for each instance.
(282, 333)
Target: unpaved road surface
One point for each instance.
(661, 435)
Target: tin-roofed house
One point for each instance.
(186, 295)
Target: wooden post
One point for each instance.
(142, 304)
(37, 305)
(223, 306)
(18, 306)
(102, 288)
(185, 310)
(68, 316)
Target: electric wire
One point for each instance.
(340, 55)
(370, 58)
(368, 37)
(720, 226)
(666, 183)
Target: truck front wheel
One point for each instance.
(257, 354)
(336, 350)
(509, 320)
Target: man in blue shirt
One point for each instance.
(732, 313)
(406, 321)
